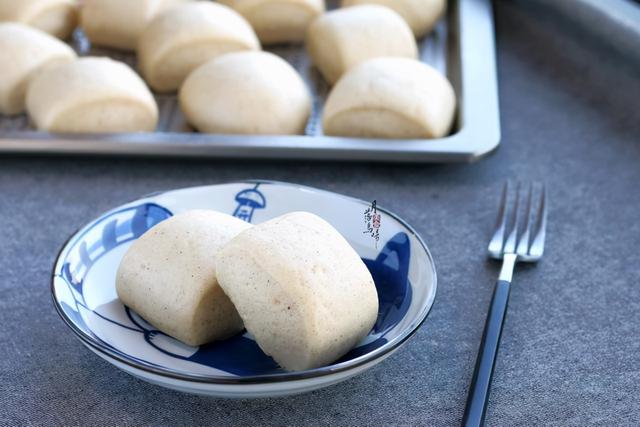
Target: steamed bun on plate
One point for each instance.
(25, 52)
(421, 15)
(91, 95)
(344, 38)
(56, 17)
(119, 23)
(390, 98)
(300, 288)
(278, 21)
(168, 276)
(179, 40)
(246, 93)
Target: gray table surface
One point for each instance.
(571, 348)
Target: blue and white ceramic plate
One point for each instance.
(84, 291)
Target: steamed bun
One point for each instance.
(300, 288)
(168, 276)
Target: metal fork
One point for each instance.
(512, 242)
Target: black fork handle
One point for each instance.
(481, 383)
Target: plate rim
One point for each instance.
(284, 377)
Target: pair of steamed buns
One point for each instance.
(367, 29)
(381, 90)
(293, 282)
(43, 76)
(226, 84)
(62, 93)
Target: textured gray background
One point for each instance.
(571, 348)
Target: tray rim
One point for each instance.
(478, 136)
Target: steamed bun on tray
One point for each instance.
(179, 40)
(119, 23)
(91, 95)
(278, 21)
(168, 276)
(300, 288)
(421, 15)
(390, 98)
(246, 93)
(56, 17)
(344, 38)
(25, 52)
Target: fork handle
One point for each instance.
(481, 383)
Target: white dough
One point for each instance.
(168, 276)
(300, 288)
(24, 52)
(343, 38)
(278, 21)
(181, 39)
(391, 98)
(421, 15)
(119, 23)
(246, 93)
(91, 95)
(56, 17)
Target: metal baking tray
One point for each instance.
(462, 47)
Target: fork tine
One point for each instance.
(523, 241)
(510, 244)
(497, 241)
(537, 247)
